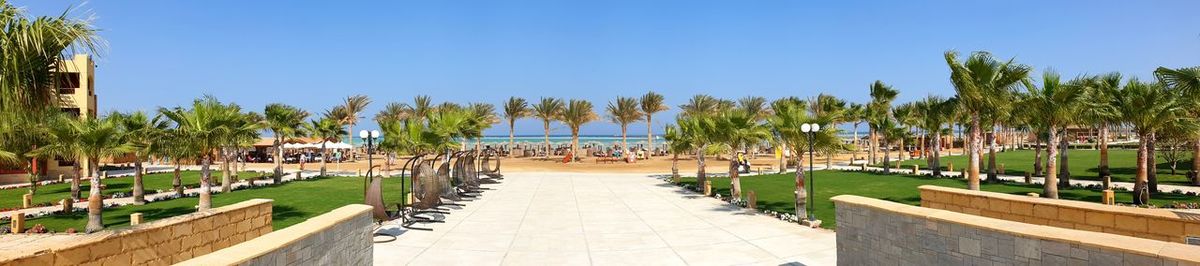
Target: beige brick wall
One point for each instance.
(879, 232)
(340, 237)
(1157, 224)
(161, 242)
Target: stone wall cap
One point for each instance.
(1147, 247)
(262, 245)
(1091, 206)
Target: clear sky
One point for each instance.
(313, 54)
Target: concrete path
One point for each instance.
(602, 219)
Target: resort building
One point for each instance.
(77, 92)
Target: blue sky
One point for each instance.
(313, 54)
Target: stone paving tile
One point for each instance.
(602, 219)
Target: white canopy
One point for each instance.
(328, 144)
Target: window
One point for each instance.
(68, 82)
(64, 162)
(73, 111)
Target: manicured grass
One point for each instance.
(294, 202)
(1084, 164)
(775, 191)
(11, 198)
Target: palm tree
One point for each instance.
(142, 133)
(1098, 110)
(326, 129)
(890, 132)
(1148, 107)
(206, 128)
(825, 105)
(935, 113)
(32, 49)
(854, 114)
(738, 129)
(624, 111)
(788, 114)
(515, 108)
(1054, 103)
(651, 103)
(285, 121)
(243, 133)
(577, 113)
(882, 96)
(483, 116)
(680, 139)
(700, 104)
(696, 132)
(1187, 81)
(63, 141)
(349, 110)
(548, 110)
(95, 139)
(976, 82)
(391, 111)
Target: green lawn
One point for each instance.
(11, 198)
(1083, 164)
(295, 202)
(775, 191)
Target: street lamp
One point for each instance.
(368, 137)
(810, 130)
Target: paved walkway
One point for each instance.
(602, 219)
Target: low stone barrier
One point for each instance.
(340, 237)
(1158, 224)
(161, 242)
(879, 232)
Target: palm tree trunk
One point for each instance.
(935, 164)
(700, 175)
(874, 144)
(324, 158)
(95, 201)
(177, 181)
(574, 144)
(1152, 164)
(1064, 171)
(1050, 184)
(991, 166)
(279, 158)
(801, 192)
(1105, 173)
(674, 166)
(546, 126)
(624, 145)
(649, 138)
(139, 191)
(782, 159)
(226, 175)
(734, 180)
(206, 183)
(1195, 172)
(1141, 194)
(973, 154)
(511, 135)
(75, 180)
(854, 151)
(887, 155)
(1037, 158)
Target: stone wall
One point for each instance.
(879, 232)
(340, 237)
(161, 242)
(1158, 224)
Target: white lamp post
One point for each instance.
(810, 129)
